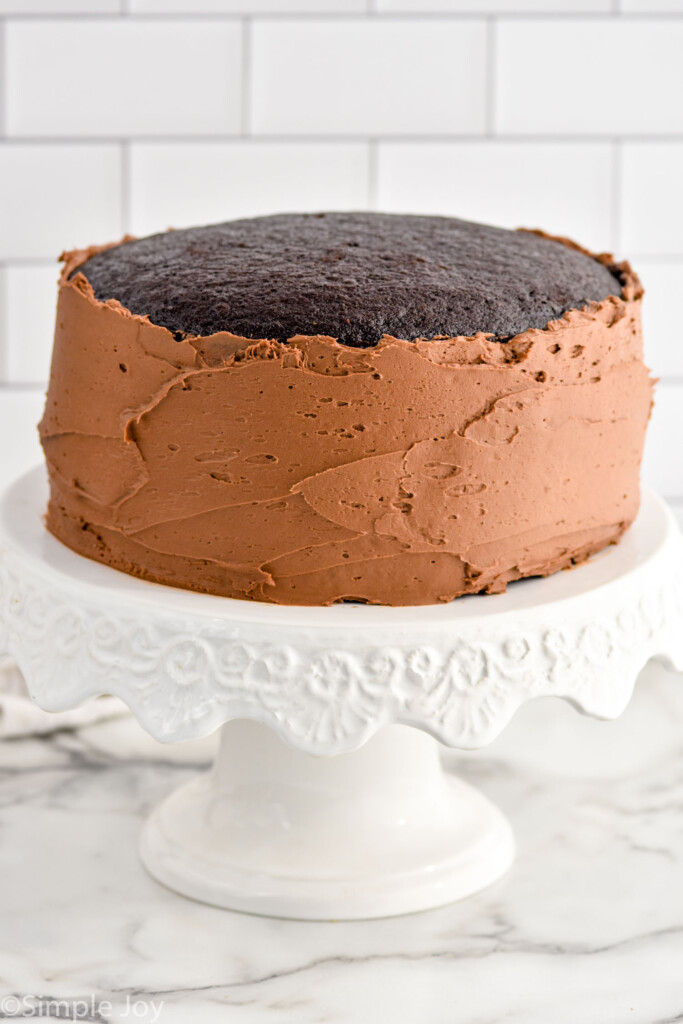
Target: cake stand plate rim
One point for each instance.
(29, 535)
(326, 679)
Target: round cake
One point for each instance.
(313, 408)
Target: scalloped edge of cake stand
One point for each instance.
(326, 679)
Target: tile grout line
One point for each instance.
(360, 16)
(7, 387)
(504, 138)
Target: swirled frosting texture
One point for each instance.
(308, 472)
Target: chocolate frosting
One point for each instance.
(310, 472)
(353, 276)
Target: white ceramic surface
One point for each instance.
(326, 679)
(374, 833)
(273, 830)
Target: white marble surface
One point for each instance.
(587, 926)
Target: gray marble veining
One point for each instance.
(587, 927)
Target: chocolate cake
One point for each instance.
(306, 409)
(351, 276)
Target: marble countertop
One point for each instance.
(586, 927)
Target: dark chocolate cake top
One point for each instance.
(353, 276)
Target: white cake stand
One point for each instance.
(279, 826)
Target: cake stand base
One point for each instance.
(376, 832)
(328, 799)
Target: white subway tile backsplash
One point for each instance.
(662, 324)
(122, 77)
(664, 437)
(564, 188)
(247, 6)
(497, 6)
(20, 412)
(584, 77)
(30, 295)
(375, 76)
(60, 6)
(312, 104)
(651, 6)
(57, 196)
(181, 185)
(651, 208)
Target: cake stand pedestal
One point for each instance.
(327, 798)
(371, 833)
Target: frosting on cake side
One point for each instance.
(310, 472)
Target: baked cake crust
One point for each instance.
(310, 472)
(355, 277)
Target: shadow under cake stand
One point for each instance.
(327, 798)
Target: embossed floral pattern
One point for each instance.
(185, 676)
